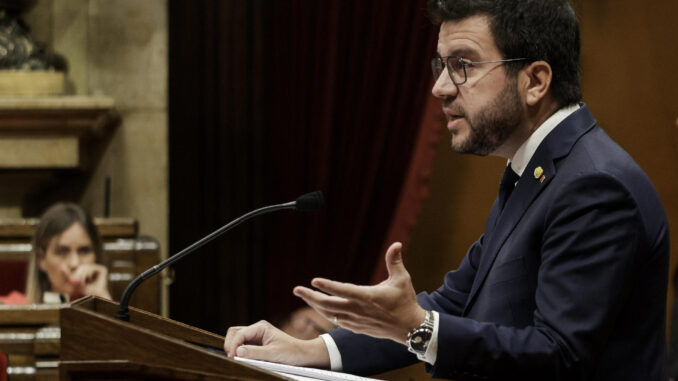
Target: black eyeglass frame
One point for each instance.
(438, 67)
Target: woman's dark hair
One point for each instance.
(540, 30)
(56, 220)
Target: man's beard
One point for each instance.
(492, 126)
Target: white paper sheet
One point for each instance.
(304, 374)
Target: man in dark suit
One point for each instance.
(568, 281)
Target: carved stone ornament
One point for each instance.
(27, 68)
(18, 50)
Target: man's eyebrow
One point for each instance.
(460, 52)
(463, 52)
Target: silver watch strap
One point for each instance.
(428, 321)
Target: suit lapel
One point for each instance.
(557, 144)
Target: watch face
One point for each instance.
(420, 338)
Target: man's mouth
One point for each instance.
(453, 113)
(452, 121)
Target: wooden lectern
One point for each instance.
(95, 345)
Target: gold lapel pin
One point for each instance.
(538, 172)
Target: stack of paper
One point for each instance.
(304, 374)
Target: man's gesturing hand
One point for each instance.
(263, 341)
(387, 310)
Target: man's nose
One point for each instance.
(444, 87)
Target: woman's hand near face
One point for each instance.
(89, 279)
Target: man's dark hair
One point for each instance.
(539, 30)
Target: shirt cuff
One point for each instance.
(333, 350)
(432, 349)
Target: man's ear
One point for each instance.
(537, 78)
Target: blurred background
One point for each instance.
(223, 106)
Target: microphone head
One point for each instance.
(309, 201)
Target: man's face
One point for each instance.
(484, 112)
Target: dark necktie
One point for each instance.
(508, 182)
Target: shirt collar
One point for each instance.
(529, 147)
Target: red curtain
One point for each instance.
(352, 87)
(269, 100)
(415, 188)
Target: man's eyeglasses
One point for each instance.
(456, 67)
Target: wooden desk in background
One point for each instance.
(30, 337)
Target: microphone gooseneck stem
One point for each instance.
(123, 310)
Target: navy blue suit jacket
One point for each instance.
(567, 283)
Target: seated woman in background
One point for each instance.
(65, 263)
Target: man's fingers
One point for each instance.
(343, 290)
(257, 352)
(326, 305)
(394, 260)
(237, 336)
(285, 349)
(316, 297)
(231, 340)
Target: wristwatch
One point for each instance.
(419, 338)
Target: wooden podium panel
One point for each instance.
(90, 334)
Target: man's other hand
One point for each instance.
(386, 310)
(263, 341)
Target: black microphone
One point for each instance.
(308, 202)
